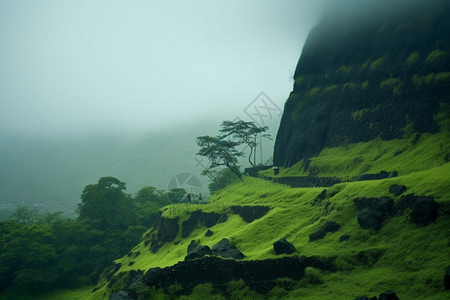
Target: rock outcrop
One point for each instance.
(358, 79)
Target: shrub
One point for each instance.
(377, 63)
(412, 58)
(313, 276)
(435, 55)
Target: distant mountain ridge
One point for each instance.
(384, 77)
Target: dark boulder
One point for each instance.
(153, 276)
(370, 218)
(447, 278)
(384, 205)
(388, 295)
(425, 211)
(196, 250)
(226, 250)
(344, 237)
(397, 189)
(209, 233)
(121, 295)
(200, 218)
(283, 247)
(250, 213)
(328, 227)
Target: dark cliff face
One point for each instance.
(357, 80)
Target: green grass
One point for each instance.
(411, 260)
(377, 155)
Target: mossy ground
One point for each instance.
(403, 257)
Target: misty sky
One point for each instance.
(87, 66)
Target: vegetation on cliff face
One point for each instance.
(395, 70)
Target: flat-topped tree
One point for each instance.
(220, 152)
(242, 132)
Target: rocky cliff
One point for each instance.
(366, 75)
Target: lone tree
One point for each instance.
(220, 152)
(242, 132)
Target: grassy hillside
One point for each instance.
(402, 256)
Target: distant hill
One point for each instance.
(361, 77)
(51, 174)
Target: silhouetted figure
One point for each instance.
(189, 197)
(200, 199)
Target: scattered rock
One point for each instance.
(393, 174)
(283, 247)
(447, 278)
(250, 213)
(384, 205)
(344, 237)
(167, 231)
(122, 295)
(370, 218)
(131, 263)
(209, 233)
(374, 211)
(397, 189)
(196, 250)
(226, 250)
(320, 197)
(365, 298)
(328, 227)
(388, 295)
(425, 211)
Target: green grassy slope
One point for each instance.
(408, 259)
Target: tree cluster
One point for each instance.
(45, 251)
(222, 150)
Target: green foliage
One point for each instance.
(107, 205)
(299, 108)
(25, 215)
(203, 291)
(377, 63)
(220, 179)
(314, 91)
(412, 58)
(408, 130)
(220, 152)
(148, 202)
(365, 84)
(299, 80)
(344, 69)
(443, 117)
(357, 115)
(349, 85)
(313, 276)
(435, 55)
(242, 132)
(442, 77)
(392, 83)
(331, 88)
(238, 290)
(364, 65)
